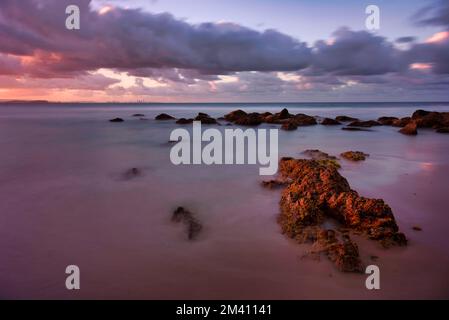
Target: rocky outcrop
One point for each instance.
(316, 193)
(117, 120)
(401, 122)
(184, 121)
(364, 124)
(193, 226)
(346, 119)
(303, 120)
(330, 122)
(205, 119)
(410, 129)
(431, 119)
(289, 126)
(387, 121)
(164, 117)
(249, 120)
(354, 156)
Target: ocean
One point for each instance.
(65, 199)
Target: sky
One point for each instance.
(224, 51)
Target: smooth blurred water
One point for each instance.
(64, 199)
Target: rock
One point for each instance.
(318, 192)
(431, 119)
(443, 130)
(289, 126)
(235, 115)
(184, 121)
(365, 124)
(416, 228)
(132, 173)
(284, 114)
(117, 120)
(387, 121)
(342, 251)
(164, 117)
(346, 119)
(274, 184)
(355, 129)
(303, 120)
(205, 119)
(252, 119)
(330, 122)
(318, 155)
(138, 115)
(193, 226)
(401, 122)
(410, 129)
(323, 158)
(355, 155)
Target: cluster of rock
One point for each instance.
(315, 192)
(290, 122)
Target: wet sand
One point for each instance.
(64, 201)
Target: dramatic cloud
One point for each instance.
(356, 53)
(126, 53)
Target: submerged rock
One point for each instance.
(346, 119)
(342, 251)
(387, 121)
(355, 155)
(205, 119)
(303, 120)
(364, 124)
(443, 130)
(117, 120)
(193, 226)
(138, 115)
(132, 173)
(289, 126)
(330, 122)
(184, 121)
(252, 119)
(323, 158)
(401, 122)
(164, 117)
(410, 129)
(355, 129)
(235, 115)
(275, 184)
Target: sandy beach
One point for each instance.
(66, 199)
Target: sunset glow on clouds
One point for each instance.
(124, 55)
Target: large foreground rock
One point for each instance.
(316, 193)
